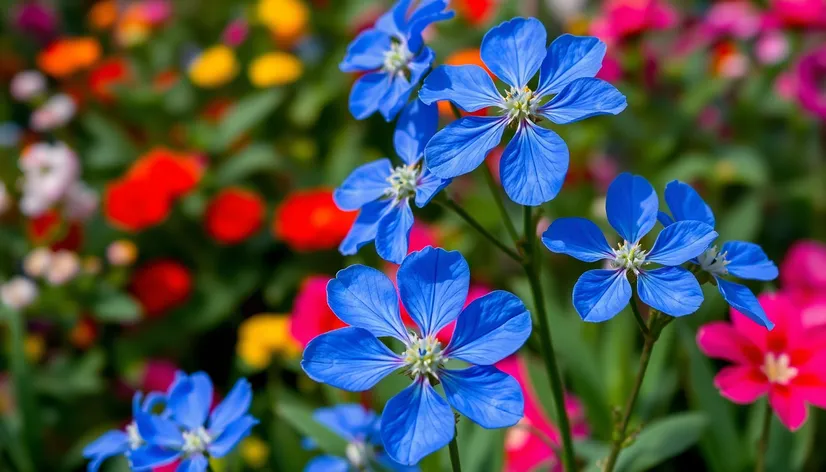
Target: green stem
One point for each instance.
(500, 203)
(638, 317)
(763, 442)
(22, 385)
(557, 388)
(454, 453)
(453, 206)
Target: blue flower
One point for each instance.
(361, 428)
(116, 442)
(186, 434)
(534, 163)
(433, 285)
(393, 57)
(631, 205)
(383, 192)
(740, 259)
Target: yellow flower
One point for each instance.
(263, 336)
(254, 451)
(214, 67)
(34, 346)
(276, 68)
(286, 19)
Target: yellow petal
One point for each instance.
(214, 67)
(277, 68)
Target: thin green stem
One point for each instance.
(763, 442)
(557, 388)
(453, 206)
(454, 453)
(22, 386)
(500, 203)
(456, 112)
(638, 317)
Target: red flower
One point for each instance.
(107, 74)
(309, 221)
(176, 173)
(234, 215)
(160, 286)
(51, 229)
(477, 12)
(135, 204)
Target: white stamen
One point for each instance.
(424, 356)
(629, 257)
(521, 105)
(358, 454)
(778, 368)
(397, 58)
(713, 262)
(196, 441)
(403, 182)
(134, 437)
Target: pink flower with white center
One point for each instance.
(803, 271)
(788, 363)
(18, 293)
(49, 171)
(80, 202)
(27, 85)
(55, 113)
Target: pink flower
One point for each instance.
(811, 75)
(803, 271)
(611, 69)
(772, 48)
(235, 33)
(526, 444)
(621, 19)
(311, 315)
(802, 13)
(27, 85)
(739, 19)
(155, 12)
(421, 236)
(158, 375)
(787, 363)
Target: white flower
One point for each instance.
(37, 262)
(49, 171)
(4, 199)
(80, 202)
(64, 267)
(18, 293)
(27, 85)
(56, 112)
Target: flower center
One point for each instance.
(358, 454)
(778, 369)
(713, 262)
(521, 104)
(196, 441)
(629, 257)
(397, 58)
(134, 437)
(424, 356)
(403, 182)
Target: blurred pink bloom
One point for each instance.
(814, 311)
(803, 13)
(811, 82)
(738, 19)
(803, 271)
(772, 47)
(620, 19)
(235, 33)
(785, 86)
(37, 20)
(787, 363)
(156, 12)
(421, 236)
(27, 85)
(611, 69)
(158, 375)
(55, 113)
(311, 315)
(80, 202)
(525, 449)
(602, 170)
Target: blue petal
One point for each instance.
(160, 431)
(416, 125)
(569, 58)
(664, 219)
(486, 395)
(137, 401)
(111, 443)
(366, 52)
(741, 299)
(231, 436)
(463, 144)
(748, 261)
(365, 227)
(491, 328)
(394, 22)
(193, 463)
(191, 400)
(469, 87)
(686, 204)
(433, 284)
(584, 98)
(385, 461)
(364, 297)
(394, 232)
(327, 464)
(365, 184)
(681, 242)
(428, 13)
(429, 185)
(145, 458)
(514, 50)
(235, 404)
(367, 94)
(415, 423)
(152, 400)
(351, 359)
(631, 204)
(577, 237)
(600, 294)
(534, 165)
(672, 290)
(350, 421)
(395, 99)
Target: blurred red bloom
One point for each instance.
(234, 215)
(51, 229)
(104, 76)
(160, 286)
(176, 173)
(311, 315)
(135, 204)
(476, 12)
(309, 220)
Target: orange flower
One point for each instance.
(103, 15)
(234, 215)
(309, 220)
(107, 74)
(84, 333)
(65, 57)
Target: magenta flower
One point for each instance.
(811, 75)
(788, 363)
(803, 271)
(799, 13)
(620, 19)
(235, 33)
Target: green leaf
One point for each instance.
(662, 440)
(111, 148)
(743, 221)
(300, 417)
(245, 115)
(253, 159)
(116, 307)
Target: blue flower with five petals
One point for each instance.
(738, 258)
(189, 432)
(535, 162)
(433, 286)
(631, 205)
(393, 56)
(123, 442)
(383, 192)
(361, 429)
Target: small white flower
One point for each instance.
(18, 293)
(56, 112)
(64, 267)
(37, 262)
(49, 171)
(27, 85)
(80, 202)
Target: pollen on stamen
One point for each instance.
(521, 105)
(403, 181)
(629, 257)
(713, 262)
(424, 356)
(397, 58)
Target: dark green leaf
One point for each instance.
(300, 417)
(252, 160)
(662, 440)
(245, 115)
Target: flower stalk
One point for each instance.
(454, 452)
(763, 442)
(454, 207)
